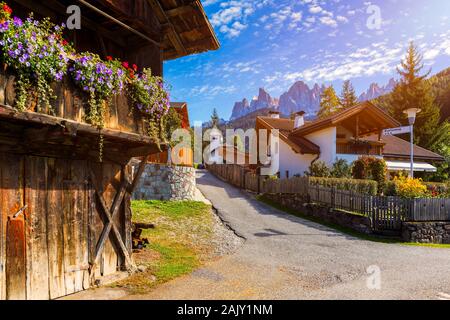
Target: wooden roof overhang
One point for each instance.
(362, 120)
(177, 27)
(40, 134)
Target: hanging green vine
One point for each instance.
(150, 97)
(38, 54)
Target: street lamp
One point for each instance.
(412, 113)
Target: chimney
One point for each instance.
(274, 114)
(299, 119)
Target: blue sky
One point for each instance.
(273, 43)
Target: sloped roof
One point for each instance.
(398, 148)
(378, 117)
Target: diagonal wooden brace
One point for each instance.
(110, 225)
(110, 214)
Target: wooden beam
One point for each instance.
(8, 112)
(138, 175)
(163, 19)
(117, 21)
(179, 11)
(49, 7)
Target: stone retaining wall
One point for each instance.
(162, 182)
(426, 232)
(300, 203)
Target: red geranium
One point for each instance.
(126, 65)
(7, 9)
(135, 67)
(64, 42)
(109, 58)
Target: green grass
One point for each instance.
(347, 230)
(177, 245)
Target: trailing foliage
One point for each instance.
(171, 122)
(100, 80)
(360, 186)
(37, 52)
(150, 97)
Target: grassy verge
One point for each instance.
(177, 245)
(346, 230)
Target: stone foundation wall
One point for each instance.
(162, 182)
(300, 204)
(426, 232)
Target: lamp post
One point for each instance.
(412, 113)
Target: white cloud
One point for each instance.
(328, 21)
(431, 54)
(315, 9)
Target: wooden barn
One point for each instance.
(65, 218)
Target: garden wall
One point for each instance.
(163, 182)
(326, 214)
(426, 232)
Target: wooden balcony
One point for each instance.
(360, 147)
(63, 131)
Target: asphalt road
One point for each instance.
(285, 257)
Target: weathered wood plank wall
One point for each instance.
(45, 253)
(72, 104)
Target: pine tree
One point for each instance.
(215, 118)
(413, 91)
(329, 102)
(348, 96)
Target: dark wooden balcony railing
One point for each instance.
(359, 149)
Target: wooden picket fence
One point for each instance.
(386, 213)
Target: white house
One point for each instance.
(347, 135)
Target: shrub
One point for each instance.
(378, 171)
(319, 169)
(359, 168)
(406, 187)
(341, 169)
(360, 186)
(370, 168)
(390, 189)
(437, 189)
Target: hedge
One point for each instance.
(360, 186)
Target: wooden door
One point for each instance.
(12, 229)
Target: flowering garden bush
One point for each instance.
(410, 188)
(39, 55)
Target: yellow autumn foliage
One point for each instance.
(407, 187)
